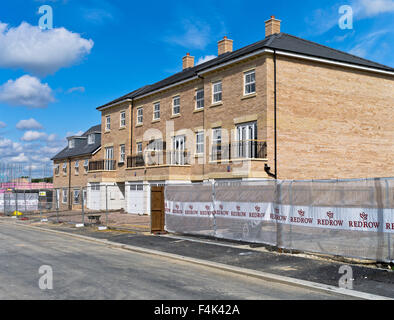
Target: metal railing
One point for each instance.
(155, 158)
(247, 149)
(102, 165)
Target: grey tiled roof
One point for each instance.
(279, 41)
(83, 148)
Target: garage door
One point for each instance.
(135, 199)
(94, 197)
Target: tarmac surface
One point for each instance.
(89, 270)
(366, 278)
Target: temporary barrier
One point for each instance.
(352, 218)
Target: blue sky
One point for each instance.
(52, 81)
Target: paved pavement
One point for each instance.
(368, 279)
(88, 270)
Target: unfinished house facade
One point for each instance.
(71, 167)
(283, 108)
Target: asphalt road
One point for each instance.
(87, 270)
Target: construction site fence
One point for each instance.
(349, 218)
(79, 205)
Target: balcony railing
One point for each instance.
(247, 149)
(155, 158)
(102, 165)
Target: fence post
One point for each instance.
(213, 207)
(24, 198)
(39, 205)
(57, 205)
(106, 205)
(16, 201)
(388, 233)
(82, 203)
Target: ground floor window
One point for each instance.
(65, 196)
(76, 196)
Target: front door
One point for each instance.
(178, 153)
(246, 140)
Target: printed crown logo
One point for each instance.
(221, 207)
(257, 208)
(191, 207)
(177, 206)
(363, 216)
(330, 214)
(207, 207)
(301, 213)
(238, 208)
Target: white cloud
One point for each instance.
(26, 91)
(34, 135)
(2, 124)
(40, 51)
(365, 45)
(72, 134)
(4, 143)
(20, 158)
(371, 8)
(76, 89)
(195, 35)
(28, 124)
(205, 59)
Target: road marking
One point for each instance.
(238, 270)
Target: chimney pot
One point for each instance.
(272, 26)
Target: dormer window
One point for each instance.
(71, 143)
(91, 138)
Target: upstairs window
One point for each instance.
(200, 142)
(86, 165)
(250, 82)
(200, 99)
(217, 92)
(57, 168)
(156, 111)
(65, 167)
(140, 115)
(71, 143)
(122, 153)
(123, 119)
(91, 138)
(76, 167)
(108, 123)
(176, 105)
(139, 147)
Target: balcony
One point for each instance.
(238, 150)
(157, 158)
(102, 165)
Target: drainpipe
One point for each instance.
(266, 167)
(69, 184)
(203, 128)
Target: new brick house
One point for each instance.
(283, 108)
(71, 167)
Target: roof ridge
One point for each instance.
(336, 50)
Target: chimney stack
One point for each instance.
(188, 61)
(225, 45)
(272, 26)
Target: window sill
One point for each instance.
(216, 104)
(138, 125)
(198, 110)
(155, 120)
(122, 128)
(107, 131)
(175, 116)
(248, 96)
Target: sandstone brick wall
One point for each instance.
(333, 122)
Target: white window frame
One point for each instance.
(200, 144)
(86, 165)
(122, 120)
(139, 148)
(108, 123)
(250, 83)
(217, 142)
(215, 93)
(57, 169)
(122, 153)
(140, 117)
(78, 192)
(178, 106)
(156, 111)
(200, 100)
(71, 143)
(76, 166)
(91, 138)
(64, 195)
(64, 167)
